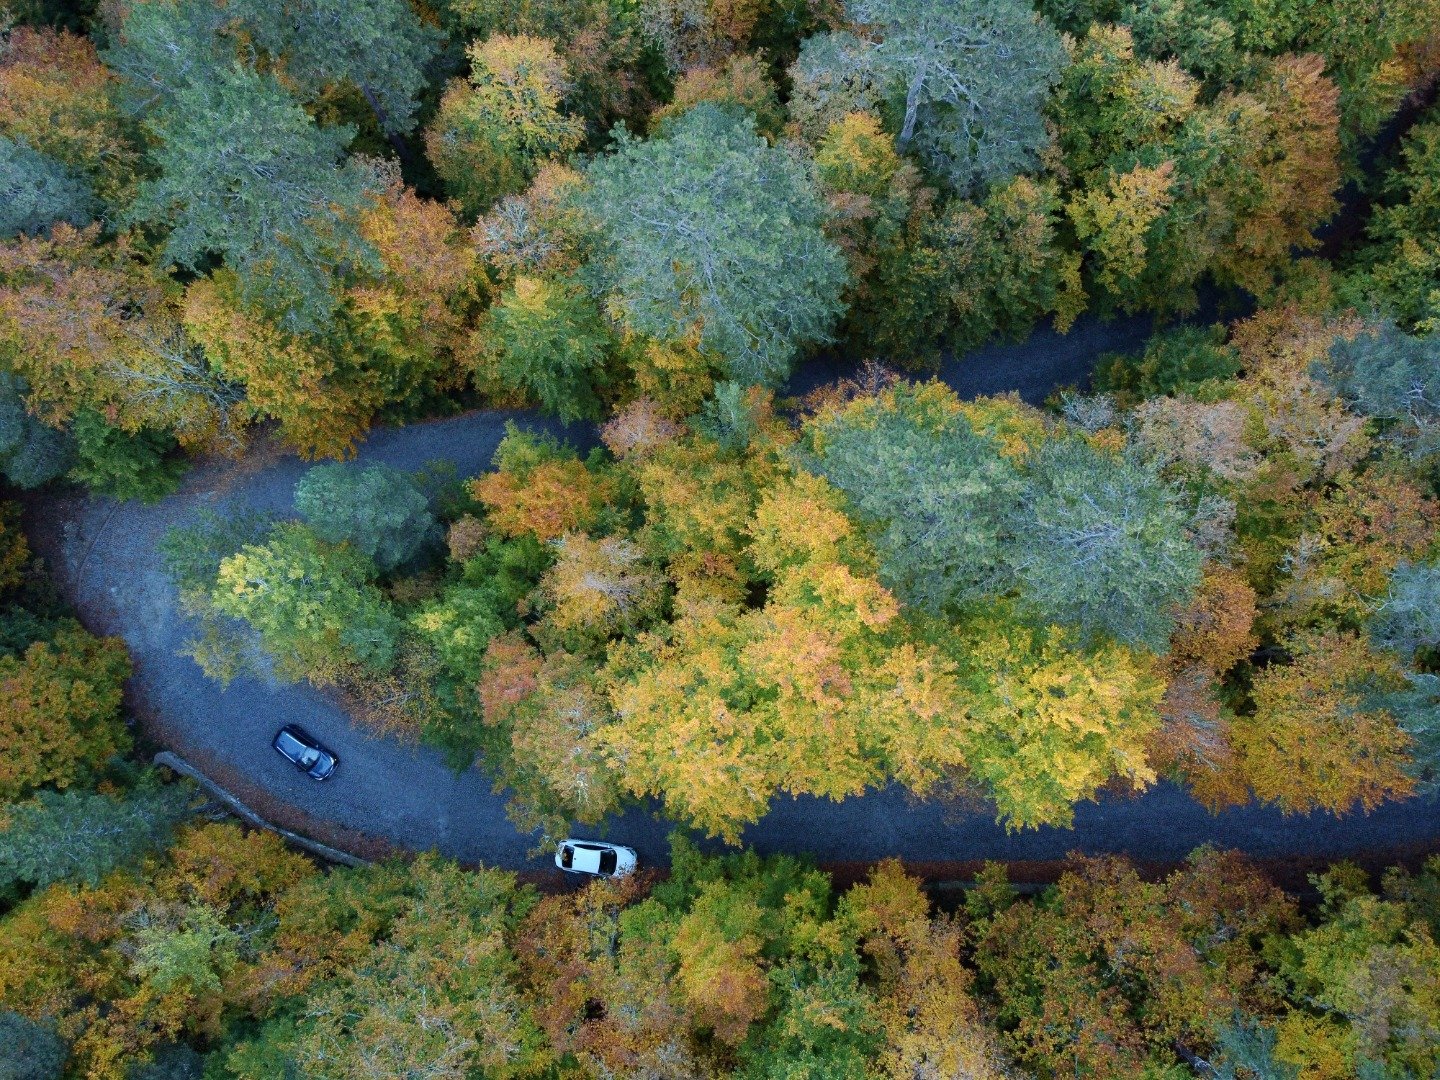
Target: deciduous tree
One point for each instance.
(491, 135)
(969, 80)
(1312, 741)
(60, 710)
(377, 510)
(1100, 545)
(36, 191)
(312, 604)
(547, 340)
(691, 243)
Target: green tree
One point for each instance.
(193, 553)
(431, 989)
(1393, 377)
(1176, 361)
(937, 494)
(1364, 982)
(549, 340)
(36, 191)
(140, 465)
(1100, 544)
(81, 836)
(1407, 617)
(490, 136)
(30, 452)
(966, 81)
(312, 603)
(376, 509)
(709, 232)
(245, 173)
(380, 46)
(1398, 270)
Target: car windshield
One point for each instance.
(607, 862)
(567, 856)
(309, 758)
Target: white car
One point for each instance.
(595, 857)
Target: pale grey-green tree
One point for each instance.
(710, 230)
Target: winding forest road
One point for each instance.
(388, 794)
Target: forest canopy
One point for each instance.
(723, 266)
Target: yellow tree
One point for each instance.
(491, 135)
(1049, 723)
(1313, 741)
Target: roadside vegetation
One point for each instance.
(231, 226)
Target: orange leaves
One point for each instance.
(1293, 166)
(598, 587)
(932, 1025)
(1217, 629)
(637, 428)
(56, 95)
(549, 499)
(322, 409)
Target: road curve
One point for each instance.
(388, 794)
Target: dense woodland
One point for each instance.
(277, 223)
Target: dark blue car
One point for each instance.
(301, 749)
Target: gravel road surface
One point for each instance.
(388, 794)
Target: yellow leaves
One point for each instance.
(1015, 427)
(697, 500)
(676, 375)
(800, 521)
(14, 550)
(742, 81)
(598, 585)
(284, 376)
(1114, 223)
(527, 67)
(1313, 742)
(720, 974)
(57, 96)
(858, 156)
(1054, 724)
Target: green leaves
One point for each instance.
(547, 338)
(81, 836)
(36, 191)
(246, 174)
(966, 82)
(311, 603)
(377, 510)
(711, 233)
(1099, 544)
(380, 46)
(937, 493)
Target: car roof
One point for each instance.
(587, 858)
(292, 738)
